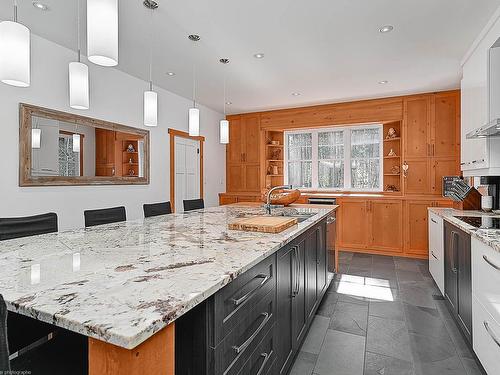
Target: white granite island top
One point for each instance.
(122, 283)
(489, 237)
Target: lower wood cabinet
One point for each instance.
(257, 323)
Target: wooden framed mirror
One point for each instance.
(60, 149)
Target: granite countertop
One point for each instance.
(489, 237)
(121, 283)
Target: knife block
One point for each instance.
(472, 201)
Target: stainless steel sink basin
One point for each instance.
(299, 216)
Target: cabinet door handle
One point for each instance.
(453, 249)
(294, 271)
(266, 357)
(243, 298)
(491, 263)
(433, 149)
(434, 256)
(428, 149)
(490, 332)
(239, 349)
(434, 221)
(297, 273)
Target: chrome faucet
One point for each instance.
(268, 206)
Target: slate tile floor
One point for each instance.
(380, 317)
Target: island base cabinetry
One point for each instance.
(257, 323)
(154, 356)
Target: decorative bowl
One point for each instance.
(282, 197)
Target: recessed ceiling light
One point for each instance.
(386, 29)
(224, 61)
(384, 82)
(170, 74)
(194, 37)
(229, 103)
(39, 5)
(295, 93)
(259, 55)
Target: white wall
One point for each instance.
(117, 97)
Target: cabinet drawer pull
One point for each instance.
(490, 332)
(239, 301)
(239, 349)
(491, 263)
(435, 257)
(434, 221)
(266, 357)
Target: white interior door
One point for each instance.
(187, 171)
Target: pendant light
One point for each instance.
(14, 52)
(224, 124)
(102, 32)
(78, 77)
(194, 113)
(151, 97)
(36, 135)
(76, 142)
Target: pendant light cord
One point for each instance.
(15, 11)
(78, 31)
(224, 94)
(194, 84)
(151, 53)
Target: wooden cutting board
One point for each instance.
(266, 224)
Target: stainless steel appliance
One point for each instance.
(331, 230)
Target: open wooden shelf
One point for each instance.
(392, 157)
(392, 139)
(274, 175)
(270, 145)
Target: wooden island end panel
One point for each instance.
(152, 357)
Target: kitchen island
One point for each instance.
(124, 285)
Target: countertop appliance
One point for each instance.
(484, 222)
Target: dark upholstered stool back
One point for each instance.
(104, 216)
(4, 347)
(193, 204)
(17, 227)
(156, 209)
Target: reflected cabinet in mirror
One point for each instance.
(58, 148)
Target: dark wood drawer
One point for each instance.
(233, 303)
(236, 348)
(262, 359)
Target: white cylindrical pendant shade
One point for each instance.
(76, 142)
(102, 32)
(150, 108)
(36, 135)
(224, 132)
(194, 122)
(78, 85)
(14, 54)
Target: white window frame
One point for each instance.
(347, 156)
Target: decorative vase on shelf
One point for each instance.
(130, 148)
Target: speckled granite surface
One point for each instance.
(489, 237)
(121, 283)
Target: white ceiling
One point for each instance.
(328, 50)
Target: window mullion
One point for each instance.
(347, 159)
(315, 173)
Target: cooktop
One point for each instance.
(485, 222)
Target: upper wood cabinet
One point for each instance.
(445, 125)
(416, 129)
(243, 153)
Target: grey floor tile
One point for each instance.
(387, 309)
(359, 271)
(316, 335)
(458, 339)
(411, 276)
(388, 337)
(471, 366)
(426, 321)
(361, 262)
(406, 264)
(350, 318)
(327, 304)
(304, 364)
(448, 366)
(383, 273)
(417, 294)
(427, 349)
(377, 364)
(342, 354)
(345, 256)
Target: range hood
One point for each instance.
(492, 128)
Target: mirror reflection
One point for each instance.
(61, 148)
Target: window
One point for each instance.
(341, 158)
(69, 161)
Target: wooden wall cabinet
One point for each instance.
(243, 153)
(431, 143)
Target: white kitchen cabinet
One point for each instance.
(485, 338)
(486, 277)
(479, 157)
(436, 250)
